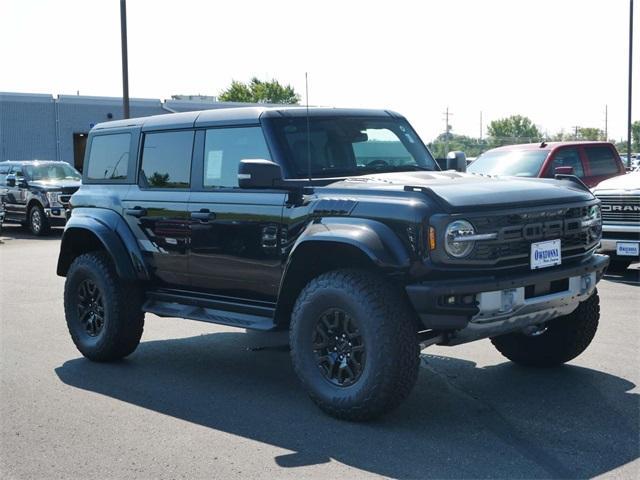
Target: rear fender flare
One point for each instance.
(115, 237)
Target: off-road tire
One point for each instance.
(618, 264)
(389, 332)
(123, 317)
(566, 337)
(37, 222)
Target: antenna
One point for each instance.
(306, 86)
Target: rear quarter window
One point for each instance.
(109, 157)
(602, 161)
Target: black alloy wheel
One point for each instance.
(339, 348)
(90, 307)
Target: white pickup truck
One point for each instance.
(620, 197)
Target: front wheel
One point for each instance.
(563, 339)
(38, 222)
(103, 313)
(354, 344)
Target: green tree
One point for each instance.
(472, 147)
(258, 91)
(513, 129)
(588, 133)
(635, 136)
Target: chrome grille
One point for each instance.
(620, 208)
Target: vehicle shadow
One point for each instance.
(630, 276)
(460, 421)
(17, 232)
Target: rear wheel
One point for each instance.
(354, 344)
(560, 341)
(37, 221)
(103, 313)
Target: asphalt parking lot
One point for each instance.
(204, 401)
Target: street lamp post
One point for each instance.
(125, 60)
(630, 78)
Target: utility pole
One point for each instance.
(576, 128)
(125, 60)
(630, 78)
(480, 124)
(446, 135)
(606, 122)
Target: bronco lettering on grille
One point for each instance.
(535, 231)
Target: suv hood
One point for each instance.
(472, 191)
(66, 186)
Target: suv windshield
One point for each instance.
(517, 163)
(345, 146)
(51, 171)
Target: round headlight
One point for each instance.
(454, 242)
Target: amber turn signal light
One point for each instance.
(432, 238)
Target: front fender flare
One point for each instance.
(375, 239)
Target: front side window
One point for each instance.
(344, 146)
(567, 157)
(601, 161)
(109, 157)
(166, 159)
(515, 163)
(223, 150)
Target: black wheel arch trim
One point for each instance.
(375, 239)
(114, 235)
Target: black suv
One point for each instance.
(36, 193)
(336, 225)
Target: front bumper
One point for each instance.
(613, 234)
(481, 307)
(57, 215)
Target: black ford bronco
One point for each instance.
(334, 224)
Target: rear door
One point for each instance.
(602, 162)
(156, 207)
(236, 233)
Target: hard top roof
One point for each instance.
(237, 116)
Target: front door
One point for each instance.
(236, 234)
(157, 208)
(16, 196)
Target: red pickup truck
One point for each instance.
(592, 162)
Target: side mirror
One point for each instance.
(10, 181)
(258, 174)
(563, 170)
(457, 161)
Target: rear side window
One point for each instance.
(601, 161)
(166, 159)
(223, 150)
(109, 157)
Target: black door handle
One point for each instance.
(204, 215)
(136, 212)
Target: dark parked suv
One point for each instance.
(36, 193)
(336, 225)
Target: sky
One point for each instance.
(559, 62)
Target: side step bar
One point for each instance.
(206, 308)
